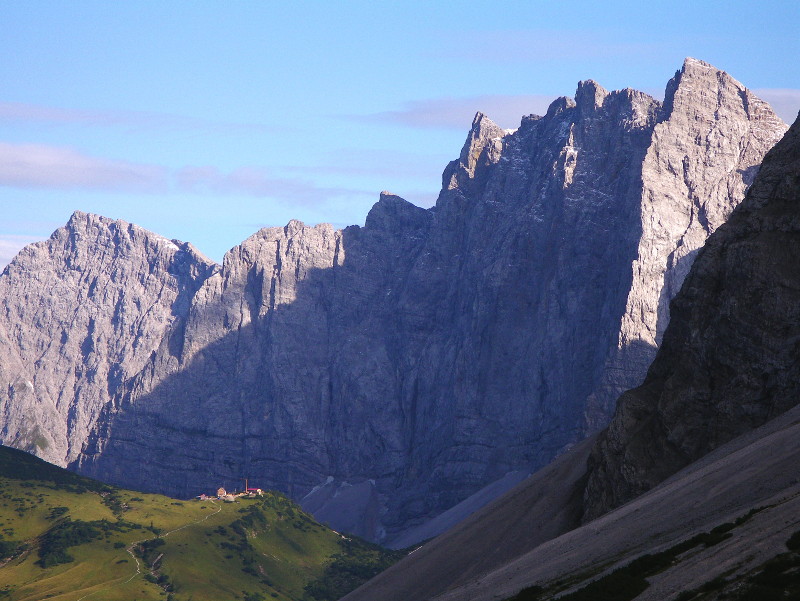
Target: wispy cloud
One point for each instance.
(26, 113)
(42, 166)
(379, 162)
(457, 113)
(10, 245)
(257, 181)
(18, 112)
(506, 110)
(54, 167)
(785, 102)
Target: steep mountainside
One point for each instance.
(404, 365)
(713, 436)
(81, 313)
(730, 362)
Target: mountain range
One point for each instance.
(388, 373)
(692, 492)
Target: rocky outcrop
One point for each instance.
(729, 360)
(406, 364)
(81, 313)
(711, 436)
(703, 155)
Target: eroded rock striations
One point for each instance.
(709, 443)
(82, 313)
(384, 373)
(729, 361)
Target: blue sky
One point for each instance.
(204, 121)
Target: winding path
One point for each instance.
(136, 559)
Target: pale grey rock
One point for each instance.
(729, 360)
(81, 313)
(704, 153)
(424, 356)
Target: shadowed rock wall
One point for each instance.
(729, 361)
(406, 364)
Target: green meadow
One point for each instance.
(67, 538)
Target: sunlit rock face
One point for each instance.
(729, 361)
(712, 433)
(82, 313)
(702, 156)
(387, 372)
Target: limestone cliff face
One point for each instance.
(703, 154)
(729, 360)
(81, 313)
(706, 420)
(386, 372)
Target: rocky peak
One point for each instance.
(78, 220)
(481, 150)
(483, 131)
(270, 250)
(89, 229)
(728, 362)
(589, 97)
(694, 67)
(698, 83)
(412, 361)
(392, 214)
(106, 292)
(559, 105)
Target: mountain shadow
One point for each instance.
(419, 358)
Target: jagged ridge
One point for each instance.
(711, 436)
(410, 362)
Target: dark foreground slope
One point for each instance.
(756, 472)
(755, 476)
(731, 360)
(728, 365)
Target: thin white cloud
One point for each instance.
(19, 112)
(26, 113)
(54, 167)
(785, 102)
(42, 166)
(378, 162)
(10, 245)
(506, 110)
(457, 113)
(259, 182)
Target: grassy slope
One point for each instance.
(264, 548)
